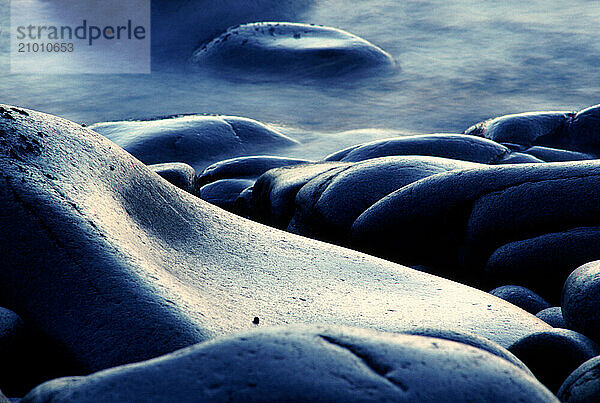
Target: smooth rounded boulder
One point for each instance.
(553, 354)
(522, 297)
(581, 298)
(553, 316)
(491, 225)
(197, 140)
(177, 173)
(224, 192)
(118, 266)
(292, 50)
(308, 364)
(583, 385)
(454, 146)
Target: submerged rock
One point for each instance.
(291, 50)
(305, 364)
(122, 266)
(197, 140)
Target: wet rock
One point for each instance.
(327, 206)
(224, 192)
(151, 269)
(581, 298)
(558, 253)
(522, 297)
(583, 385)
(553, 354)
(471, 223)
(455, 146)
(303, 364)
(245, 168)
(562, 130)
(291, 50)
(553, 316)
(197, 140)
(177, 173)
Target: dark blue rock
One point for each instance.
(327, 206)
(581, 299)
(117, 266)
(549, 154)
(558, 253)
(467, 222)
(224, 192)
(455, 146)
(583, 385)
(177, 173)
(197, 140)
(522, 297)
(245, 168)
(307, 364)
(528, 129)
(553, 316)
(553, 354)
(274, 193)
(562, 130)
(291, 50)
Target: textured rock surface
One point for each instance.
(522, 297)
(116, 265)
(292, 50)
(553, 316)
(177, 173)
(583, 385)
(310, 365)
(553, 354)
(581, 299)
(197, 140)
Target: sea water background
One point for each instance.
(461, 61)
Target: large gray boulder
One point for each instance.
(307, 364)
(116, 265)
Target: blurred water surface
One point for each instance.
(461, 61)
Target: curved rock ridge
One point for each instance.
(292, 50)
(308, 364)
(198, 140)
(563, 130)
(115, 265)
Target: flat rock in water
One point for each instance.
(177, 173)
(118, 266)
(310, 364)
(292, 50)
(197, 140)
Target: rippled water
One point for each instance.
(462, 61)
